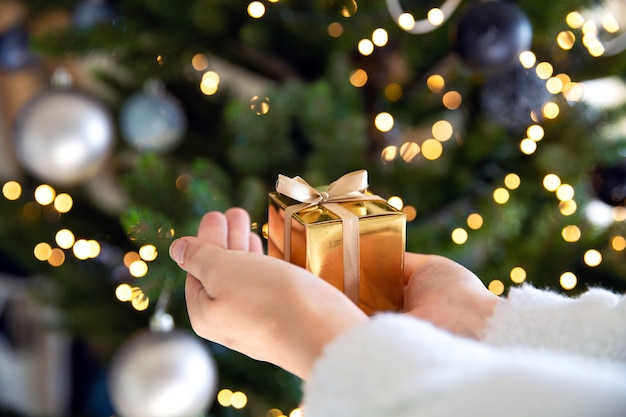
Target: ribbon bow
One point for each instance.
(350, 187)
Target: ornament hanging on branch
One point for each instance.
(153, 120)
(514, 99)
(609, 183)
(162, 372)
(491, 34)
(63, 135)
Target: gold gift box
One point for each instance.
(317, 245)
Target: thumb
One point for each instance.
(191, 253)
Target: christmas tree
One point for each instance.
(496, 127)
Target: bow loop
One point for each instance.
(348, 187)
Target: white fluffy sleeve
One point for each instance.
(594, 324)
(399, 366)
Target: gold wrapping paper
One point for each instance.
(317, 244)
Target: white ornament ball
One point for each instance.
(152, 120)
(162, 374)
(63, 136)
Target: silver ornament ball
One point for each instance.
(162, 374)
(63, 136)
(152, 120)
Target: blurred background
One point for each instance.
(498, 127)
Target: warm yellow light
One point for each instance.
(475, 221)
(410, 212)
(148, 252)
(550, 110)
(256, 9)
(130, 257)
(395, 202)
(389, 153)
(619, 213)
(82, 249)
(435, 16)
(459, 236)
(496, 287)
(574, 92)
(63, 203)
(512, 181)
(452, 100)
(123, 292)
(574, 20)
(210, 83)
(57, 257)
(409, 150)
(571, 233)
(296, 412)
(380, 37)
(592, 257)
(565, 79)
(239, 400)
(544, 70)
(358, 78)
(565, 192)
(590, 28)
(527, 146)
(199, 62)
(140, 302)
(566, 40)
(365, 47)
(406, 21)
(42, 251)
(432, 149)
(260, 105)
(568, 207)
(535, 132)
(554, 85)
(12, 190)
(610, 24)
(224, 397)
(435, 83)
(138, 268)
(596, 49)
(335, 30)
(527, 59)
(551, 182)
(393, 92)
(618, 243)
(442, 130)
(384, 122)
(64, 238)
(568, 280)
(44, 194)
(518, 275)
(94, 248)
(349, 8)
(501, 195)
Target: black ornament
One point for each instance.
(510, 98)
(491, 34)
(609, 183)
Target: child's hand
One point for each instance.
(448, 295)
(260, 306)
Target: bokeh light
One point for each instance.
(148, 252)
(256, 9)
(200, 62)
(475, 221)
(260, 105)
(57, 257)
(496, 287)
(432, 149)
(384, 122)
(138, 268)
(12, 190)
(393, 92)
(395, 202)
(123, 292)
(406, 21)
(527, 59)
(566, 40)
(380, 37)
(618, 243)
(568, 280)
(442, 130)
(63, 203)
(551, 182)
(358, 78)
(335, 30)
(565, 192)
(574, 20)
(527, 146)
(518, 275)
(459, 236)
(42, 251)
(571, 233)
(435, 16)
(568, 207)
(365, 47)
(64, 238)
(592, 257)
(409, 150)
(82, 249)
(435, 83)
(410, 212)
(501, 195)
(452, 100)
(44, 194)
(512, 181)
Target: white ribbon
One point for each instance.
(350, 187)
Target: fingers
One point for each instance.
(238, 229)
(213, 228)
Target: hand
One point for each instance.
(448, 295)
(263, 307)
